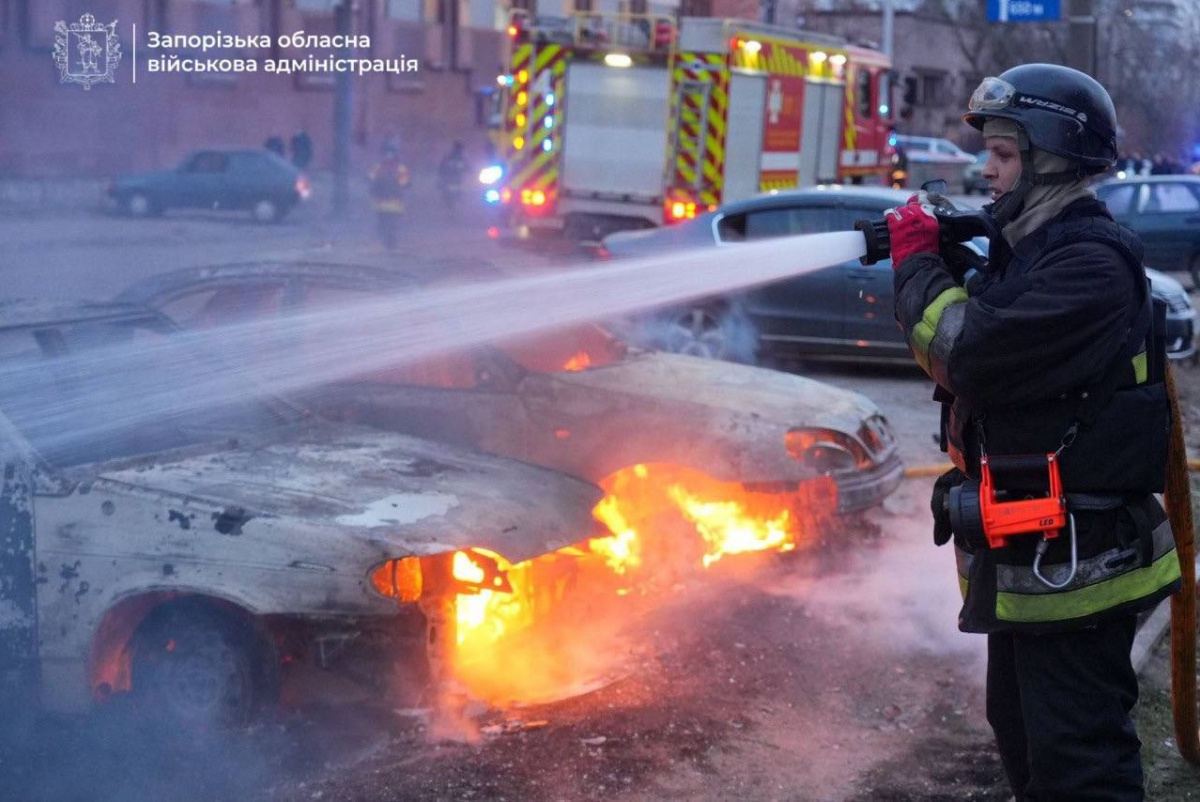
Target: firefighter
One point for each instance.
(1050, 348)
(451, 170)
(389, 182)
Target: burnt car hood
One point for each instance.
(741, 390)
(411, 496)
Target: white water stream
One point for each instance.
(109, 390)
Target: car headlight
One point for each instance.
(398, 579)
(826, 450)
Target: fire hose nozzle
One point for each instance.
(954, 226)
(879, 240)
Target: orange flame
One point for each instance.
(666, 522)
(728, 529)
(621, 552)
(578, 361)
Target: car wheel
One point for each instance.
(267, 211)
(697, 332)
(1194, 269)
(192, 666)
(140, 204)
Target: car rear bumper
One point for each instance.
(861, 490)
(1181, 334)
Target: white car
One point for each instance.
(932, 149)
(195, 559)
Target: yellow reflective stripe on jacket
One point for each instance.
(1045, 607)
(926, 329)
(1140, 370)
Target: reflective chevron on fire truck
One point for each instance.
(625, 122)
(756, 108)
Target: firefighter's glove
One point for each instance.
(913, 229)
(939, 505)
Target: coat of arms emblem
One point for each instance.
(86, 52)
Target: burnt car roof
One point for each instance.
(353, 276)
(18, 314)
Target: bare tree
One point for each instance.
(1143, 66)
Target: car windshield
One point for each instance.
(571, 349)
(89, 391)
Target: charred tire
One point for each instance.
(697, 332)
(139, 204)
(1194, 269)
(193, 665)
(267, 211)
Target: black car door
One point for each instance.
(804, 313)
(871, 328)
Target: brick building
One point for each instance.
(48, 128)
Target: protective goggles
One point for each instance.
(992, 95)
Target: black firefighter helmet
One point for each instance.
(1062, 111)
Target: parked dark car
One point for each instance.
(844, 312)
(1165, 212)
(238, 180)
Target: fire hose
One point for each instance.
(1183, 604)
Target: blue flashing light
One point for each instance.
(548, 121)
(547, 145)
(892, 140)
(492, 196)
(883, 109)
(549, 98)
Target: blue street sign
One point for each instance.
(1024, 10)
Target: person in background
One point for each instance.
(302, 149)
(451, 170)
(389, 184)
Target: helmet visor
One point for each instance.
(991, 95)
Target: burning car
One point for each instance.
(580, 401)
(168, 531)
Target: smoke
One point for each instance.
(714, 331)
(901, 592)
(115, 756)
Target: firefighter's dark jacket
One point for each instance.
(1064, 313)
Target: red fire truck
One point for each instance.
(632, 121)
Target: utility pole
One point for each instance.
(1081, 35)
(889, 37)
(343, 105)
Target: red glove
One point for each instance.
(913, 229)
